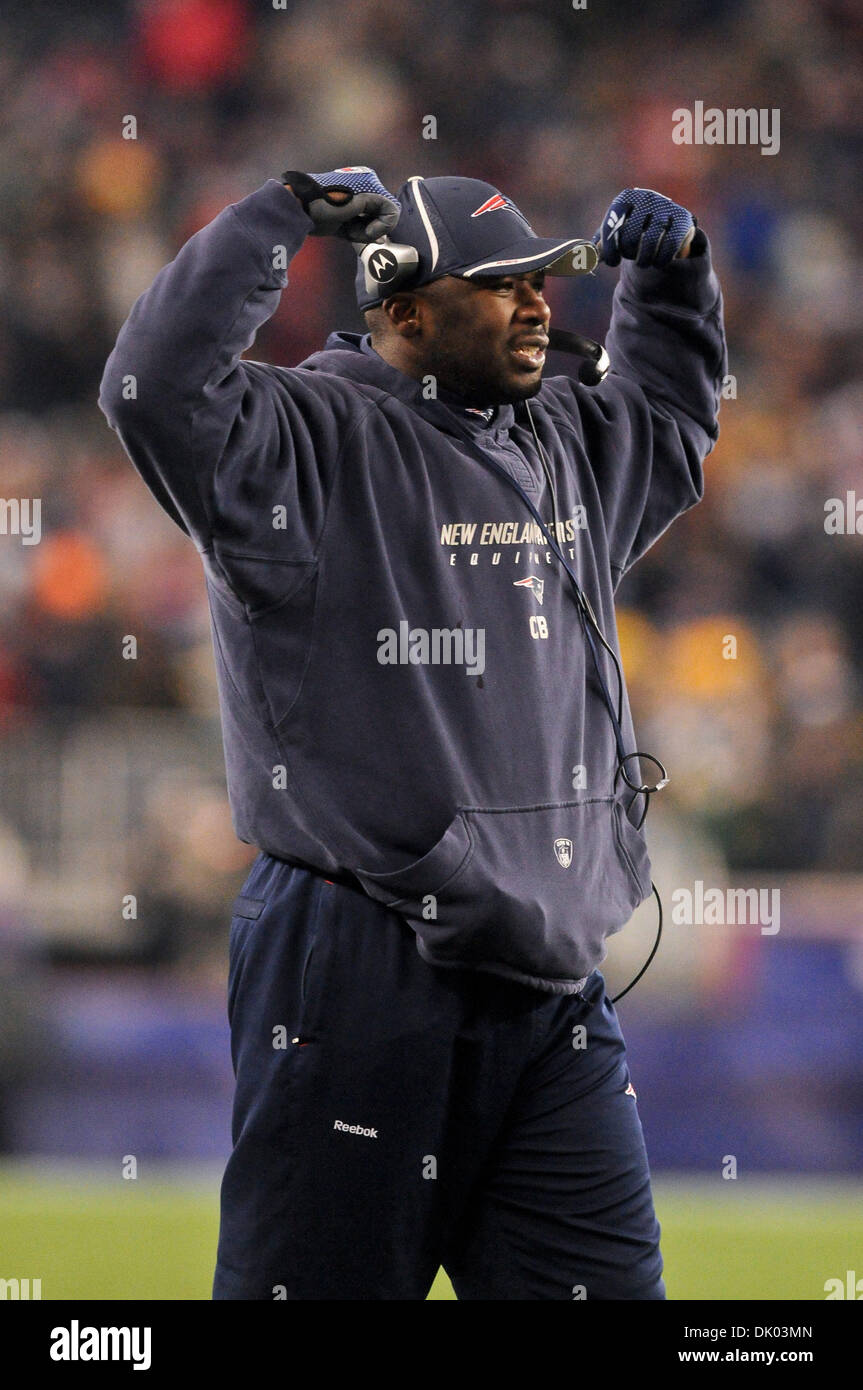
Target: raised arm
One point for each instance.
(175, 388)
(649, 426)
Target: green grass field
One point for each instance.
(90, 1236)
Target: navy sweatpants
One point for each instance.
(392, 1117)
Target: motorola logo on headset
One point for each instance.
(385, 263)
(382, 265)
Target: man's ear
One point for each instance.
(405, 313)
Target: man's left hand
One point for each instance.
(643, 226)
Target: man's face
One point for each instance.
(485, 339)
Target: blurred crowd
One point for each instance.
(560, 107)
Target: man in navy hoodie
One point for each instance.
(411, 544)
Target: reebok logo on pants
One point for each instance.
(355, 1129)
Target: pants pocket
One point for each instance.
(527, 892)
(316, 982)
(244, 915)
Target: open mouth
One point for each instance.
(529, 354)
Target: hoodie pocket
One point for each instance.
(527, 892)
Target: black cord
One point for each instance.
(587, 610)
(652, 953)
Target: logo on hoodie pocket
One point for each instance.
(563, 850)
(503, 906)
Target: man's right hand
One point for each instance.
(351, 203)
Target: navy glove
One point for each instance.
(361, 210)
(643, 226)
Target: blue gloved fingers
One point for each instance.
(373, 212)
(359, 178)
(662, 235)
(653, 233)
(369, 211)
(644, 226)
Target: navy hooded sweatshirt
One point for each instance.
(408, 701)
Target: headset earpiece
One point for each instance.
(388, 266)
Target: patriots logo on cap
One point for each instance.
(495, 204)
(532, 582)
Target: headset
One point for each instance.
(391, 266)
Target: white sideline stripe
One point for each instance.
(435, 249)
(519, 260)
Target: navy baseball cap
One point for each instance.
(468, 228)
